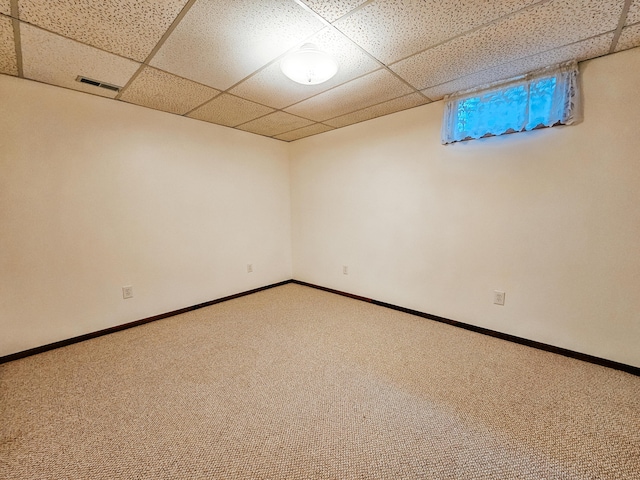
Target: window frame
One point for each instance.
(563, 109)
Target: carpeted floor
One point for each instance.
(296, 383)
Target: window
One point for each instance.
(544, 98)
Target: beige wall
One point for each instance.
(96, 194)
(552, 217)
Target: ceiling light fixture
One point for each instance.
(309, 65)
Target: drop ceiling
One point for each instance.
(218, 60)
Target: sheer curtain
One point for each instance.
(542, 98)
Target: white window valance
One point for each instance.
(543, 98)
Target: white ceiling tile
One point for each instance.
(363, 92)
(53, 59)
(385, 108)
(219, 42)
(395, 29)
(130, 28)
(314, 129)
(539, 28)
(8, 62)
(275, 124)
(332, 10)
(229, 110)
(591, 48)
(436, 46)
(629, 38)
(634, 13)
(163, 91)
(271, 87)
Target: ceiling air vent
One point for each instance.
(96, 83)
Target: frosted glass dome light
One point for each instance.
(309, 65)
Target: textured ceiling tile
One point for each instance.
(392, 106)
(130, 28)
(163, 91)
(8, 62)
(586, 49)
(53, 59)
(271, 87)
(275, 124)
(634, 13)
(219, 43)
(332, 10)
(304, 132)
(540, 28)
(629, 38)
(363, 92)
(5, 7)
(230, 111)
(395, 29)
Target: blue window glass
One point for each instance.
(507, 110)
(541, 94)
(535, 101)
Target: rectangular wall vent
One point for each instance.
(97, 83)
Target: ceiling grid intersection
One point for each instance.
(218, 61)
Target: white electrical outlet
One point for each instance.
(127, 292)
(498, 297)
(249, 267)
(345, 270)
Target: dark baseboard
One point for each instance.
(485, 331)
(492, 333)
(117, 328)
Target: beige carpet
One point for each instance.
(295, 383)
